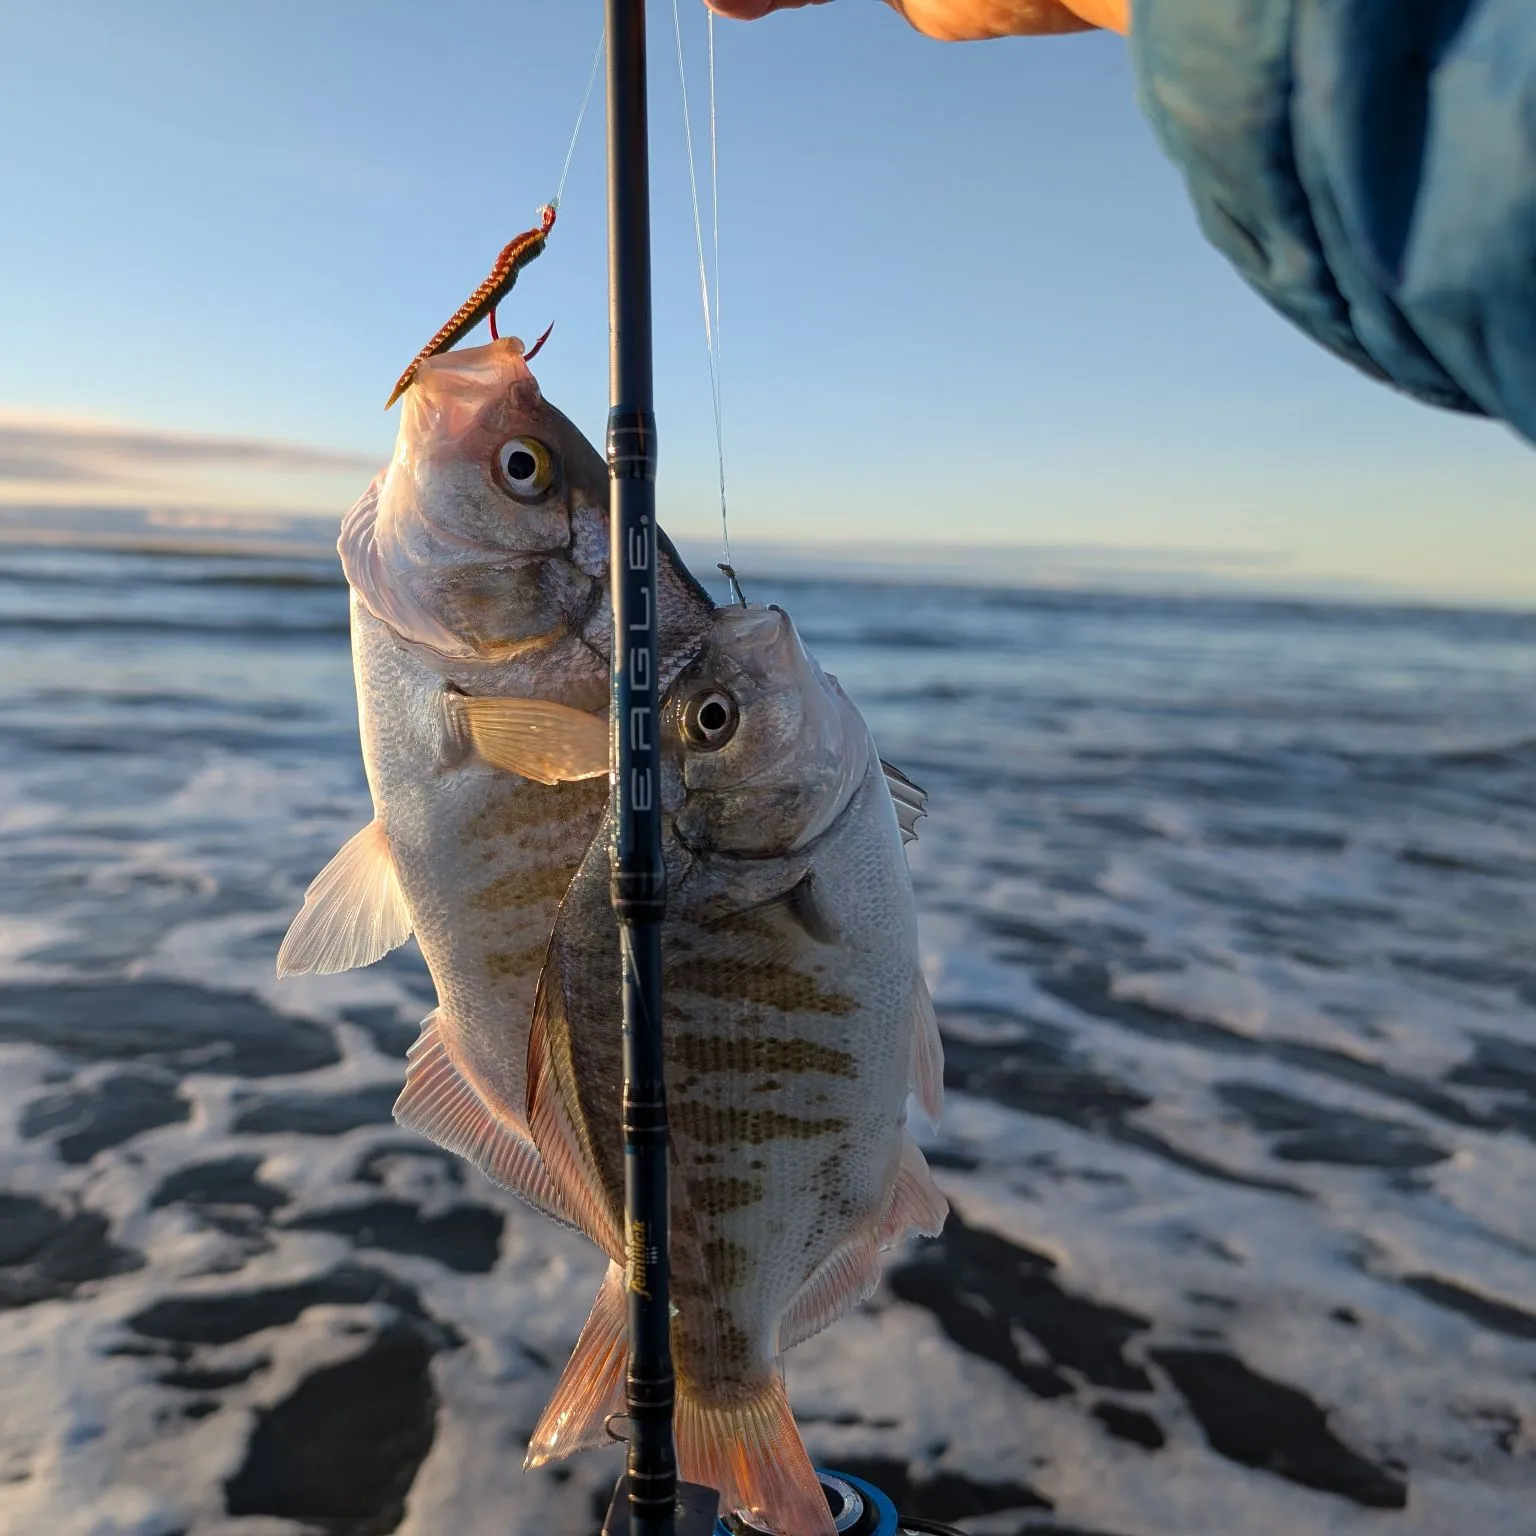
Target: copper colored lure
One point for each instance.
(483, 301)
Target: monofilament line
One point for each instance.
(714, 215)
(711, 317)
(581, 115)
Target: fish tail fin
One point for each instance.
(751, 1451)
(592, 1386)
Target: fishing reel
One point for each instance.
(858, 1509)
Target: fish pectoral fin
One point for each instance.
(810, 912)
(927, 1052)
(910, 800)
(554, 1128)
(354, 911)
(440, 1104)
(535, 738)
(591, 1388)
(750, 1449)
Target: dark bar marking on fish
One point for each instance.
(728, 1263)
(732, 1349)
(718, 1196)
(523, 889)
(515, 255)
(717, 1127)
(828, 1183)
(785, 989)
(537, 806)
(748, 1056)
(521, 962)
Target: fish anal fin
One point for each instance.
(837, 1285)
(439, 1103)
(852, 1270)
(591, 1388)
(914, 1203)
(555, 1132)
(354, 911)
(749, 1448)
(536, 738)
(927, 1052)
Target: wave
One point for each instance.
(276, 630)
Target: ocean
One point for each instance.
(1227, 907)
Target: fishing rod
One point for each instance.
(639, 885)
(650, 1500)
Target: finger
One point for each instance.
(752, 10)
(953, 21)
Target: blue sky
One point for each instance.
(964, 300)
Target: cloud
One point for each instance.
(57, 453)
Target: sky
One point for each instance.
(963, 298)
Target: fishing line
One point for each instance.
(714, 216)
(711, 316)
(581, 115)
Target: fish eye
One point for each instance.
(710, 720)
(526, 467)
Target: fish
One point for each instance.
(481, 637)
(797, 1023)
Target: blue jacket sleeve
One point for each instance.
(1369, 166)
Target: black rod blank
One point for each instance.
(639, 876)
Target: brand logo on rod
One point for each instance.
(642, 541)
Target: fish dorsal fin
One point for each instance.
(440, 1104)
(910, 800)
(379, 589)
(927, 1052)
(354, 911)
(555, 1129)
(536, 738)
(591, 1388)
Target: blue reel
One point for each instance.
(858, 1508)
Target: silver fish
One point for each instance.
(481, 635)
(797, 1023)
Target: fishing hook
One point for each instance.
(533, 351)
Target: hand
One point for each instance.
(953, 21)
